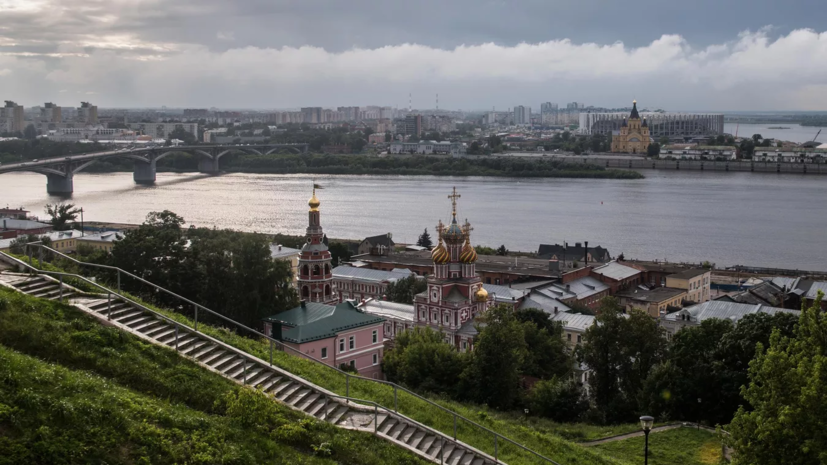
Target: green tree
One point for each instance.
(788, 392)
(183, 135)
(620, 351)
(425, 240)
(664, 140)
(339, 253)
(485, 250)
(61, 214)
(404, 290)
(30, 132)
(493, 374)
(18, 245)
(549, 356)
(562, 400)
(756, 138)
(501, 250)
(422, 360)
(653, 150)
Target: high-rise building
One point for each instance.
(412, 125)
(88, 113)
(350, 113)
(51, 113)
(12, 117)
(548, 107)
(575, 106)
(312, 114)
(522, 115)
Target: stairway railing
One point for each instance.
(458, 420)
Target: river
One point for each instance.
(726, 218)
(795, 133)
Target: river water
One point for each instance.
(726, 218)
(794, 133)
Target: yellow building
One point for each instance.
(695, 282)
(101, 241)
(633, 136)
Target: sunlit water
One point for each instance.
(795, 133)
(726, 218)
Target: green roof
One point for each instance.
(313, 321)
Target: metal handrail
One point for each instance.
(395, 386)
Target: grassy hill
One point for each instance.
(75, 391)
(685, 446)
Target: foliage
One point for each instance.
(501, 250)
(339, 253)
(61, 214)
(105, 396)
(30, 132)
(485, 250)
(24, 149)
(183, 135)
(404, 290)
(422, 360)
(231, 272)
(18, 245)
(425, 240)
(788, 391)
(653, 150)
(559, 399)
(548, 356)
(620, 351)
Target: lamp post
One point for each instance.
(646, 423)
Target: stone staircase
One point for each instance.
(249, 370)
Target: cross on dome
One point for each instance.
(454, 196)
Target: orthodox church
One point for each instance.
(633, 136)
(455, 294)
(315, 280)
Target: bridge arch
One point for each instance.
(84, 165)
(283, 148)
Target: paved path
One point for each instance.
(621, 437)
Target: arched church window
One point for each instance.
(305, 292)
(305, 270)
(316, 270)
(326, 269)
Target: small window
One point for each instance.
(375, 359)
(324, 353)
(568, 336)
(353, 363)
(375, 336)
(352, 342)
(579, 339)
(341, 345)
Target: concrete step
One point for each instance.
(337, 414)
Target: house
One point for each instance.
(335, 335)
(354, 283)
(586, 291)
(696, 282)
(377, 245)
(398, 317)
(13, 227)
(578, 253)
(733, 311)
(655, 301)
(62, 241)
(100, 241)
(288, 254)
(618, 276)
(574, 326)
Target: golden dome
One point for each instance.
(314, 202)
(468, 254)
(440, 254)
(481, 295)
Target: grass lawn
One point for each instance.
(681, 446)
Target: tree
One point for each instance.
(425, 240)
(788, 391)
(18, 245)
(484, 250)
(756, 138)
(562, 400)
(492, 376)
(653, 150)
(620, 351)
(549, 356)
(422, 360)
(404, 290)
(339, 253)
(61, 214)
(30, 132)
(182, 134)
(664, 140)
(746, 148)
(501, 250)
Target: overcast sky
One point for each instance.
(477, 54)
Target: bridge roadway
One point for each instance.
(60, 171)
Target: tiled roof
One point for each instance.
(616, 271)
(315, 321)
(367, 274)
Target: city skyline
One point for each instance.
(258, 56)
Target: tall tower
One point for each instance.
(315, 281)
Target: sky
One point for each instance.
(704, 55)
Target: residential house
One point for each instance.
(655, 302)
(733, 311)
(696, 282)
(577, 253)
(617, 276)
(377, 245)
(335, 335)
(364, 283)
(100, 241)
(62, 241)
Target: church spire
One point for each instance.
(634, 114)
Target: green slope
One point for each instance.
(75, 391)
(681, 446)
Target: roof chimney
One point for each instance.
(555, 310)
(586, 254)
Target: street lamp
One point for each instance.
(646, 423)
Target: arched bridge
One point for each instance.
(60, 171)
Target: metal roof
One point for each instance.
(108, 236)
(574, 321)
(14, 223)
(53, 235)
(386, 309)
(817, 286)
(313, 321)
(543, 302)
(616, 271)
(277, 251)
(725, 310)
(583, 287)
(367, 274)
(689, 274)
(658, 294)
(504, 293)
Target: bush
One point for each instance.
(560, 400)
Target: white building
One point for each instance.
(428, 147)
(163, 130)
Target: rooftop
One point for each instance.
(107, 236)
(574, 321)
(312, 321)
(519, 266)
(583, 287)
(725, 310)
(616, 271)
(658, 294)
(367, 274)
(387, 309)
(279, 251)
(53, 235)
(14, 223)
(689, 274)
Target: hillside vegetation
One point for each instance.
(75, 391)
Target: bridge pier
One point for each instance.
(208, 165)
(57, 184)
(144, 173)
